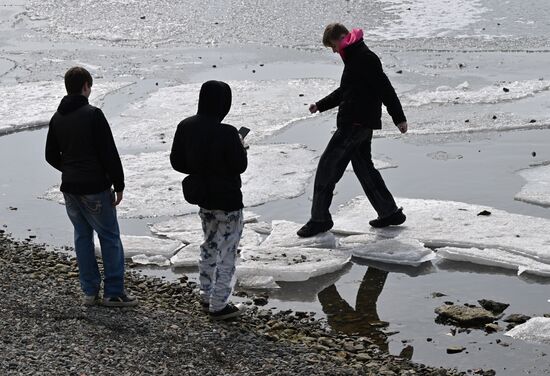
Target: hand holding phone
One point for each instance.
(244, 131)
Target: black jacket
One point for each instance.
(206, 147)
(363, 88)
(80, 145)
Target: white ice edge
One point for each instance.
(536, 330)
(537, 189)
(32, 104)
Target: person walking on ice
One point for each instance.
(364, 87)
(214, 156)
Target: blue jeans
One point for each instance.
(96, 212)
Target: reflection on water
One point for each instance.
(364, 319)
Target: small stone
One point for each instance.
(517, 318)
(214, 66)
(437, 295)
(484, 213)
(505, 89)
(492, 328)
(455, 349)
(494, 117)
(260, 300)
(142, 18)
(399, 72)
(532, 121)
(534, 154)
(463, 315)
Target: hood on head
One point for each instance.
(215, 99)
(71, 103)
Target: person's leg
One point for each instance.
(208, 256)
(331, 168)
(374, 186)
(228, 236)
(90, 278)
(101, 215)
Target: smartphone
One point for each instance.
(244, 131)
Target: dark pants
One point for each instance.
(351, 143)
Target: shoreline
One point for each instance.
(47, 329)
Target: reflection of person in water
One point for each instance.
(364, 319)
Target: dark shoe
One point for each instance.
(230, 311)
(90, 300)
(205, 306)
(314, 228)
(121, 301)
(396, 219)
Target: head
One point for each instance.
(78, 81)
(333, 36)
(215, 99)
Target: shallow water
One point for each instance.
(456, 150)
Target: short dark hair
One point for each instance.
(333, 32)
(75, 78)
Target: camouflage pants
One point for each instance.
(222, 234)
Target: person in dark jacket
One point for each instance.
(364, 87)
(80, 145)
(214, 157)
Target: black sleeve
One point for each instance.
(236, 156)
(379, 80)
(53, 152)
(107, 151)
(177, 155)
(330, 101)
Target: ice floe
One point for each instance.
(405, 251)
(288, 264)
(263, 106)
(485, 95)
(457, 226)
(32, 104)
(536, 330)
(283, 235)
(537, 189)
(188, 256)
(153, 188)
(147, 249)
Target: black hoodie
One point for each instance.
(206, 147)
(80, 145)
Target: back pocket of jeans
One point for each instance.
(91, 204)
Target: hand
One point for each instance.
(313, 108)
(403, 127)
(117, 198)
(245, 145)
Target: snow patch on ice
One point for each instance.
(488, 94)
(439, 224)
(263, 106)
(283, 235)
(156, 260)
(537, 189)
(536, 330)
(153, 188)
(32, 104)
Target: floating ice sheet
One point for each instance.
(485, 95)
(283, 235)
(153, 188)
(263, 106)
(535, 330)
(495, 257)
(397, 251)
(186, 257)
(290, 264)
(32, 104)
(537, 189)
(156, 260)
(440, 224)
(146, 246)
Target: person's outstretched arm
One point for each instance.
(379, 80)
(53, 152)
(177, 155)
(107, 151)
(330, 101)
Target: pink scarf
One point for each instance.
(353, 37)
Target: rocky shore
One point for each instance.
(46, 331)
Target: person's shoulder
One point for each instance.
(188, 121)
(228, 129)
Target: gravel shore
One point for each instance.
(46, 331)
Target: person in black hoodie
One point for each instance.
(80, 145)
(364, 87)
(214, 157)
